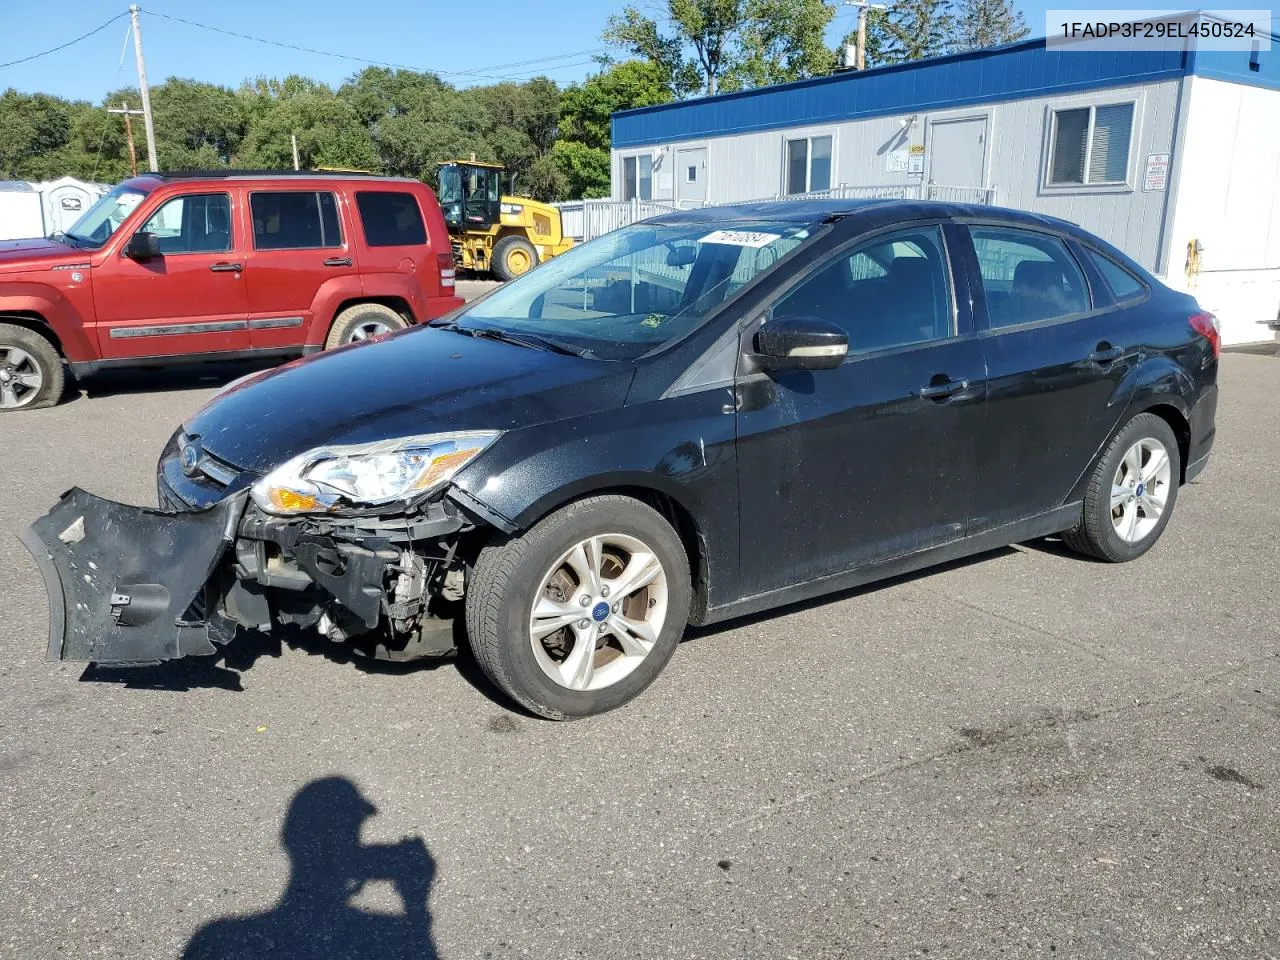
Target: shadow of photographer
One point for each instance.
(315, 917)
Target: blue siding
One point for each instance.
(1233, 66)
(1001, 73)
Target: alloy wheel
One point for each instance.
(598, 611)
(368, 330)
(1140, 490)
(20, 377)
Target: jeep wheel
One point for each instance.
(31, 372)
(362, 322)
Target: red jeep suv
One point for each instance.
(175, 267)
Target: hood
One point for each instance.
(39, 254)
(420, 380)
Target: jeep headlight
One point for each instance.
(368, 475)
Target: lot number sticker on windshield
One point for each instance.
(741, 238)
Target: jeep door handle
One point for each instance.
(227, 267)
(1105, 353)
(940, 391)
(338, 262)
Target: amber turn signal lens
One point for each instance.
(442, 466)
(292, 501)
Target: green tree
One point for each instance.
(914, 30)
(783, 40)
(986, 23)
(32, 126)
(198, 125)
(329, 132)
(586, 110)
(699, 54)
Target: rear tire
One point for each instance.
(513, 257)
(566, 644)
(1131, 494)
(31, 372)
(362, 322)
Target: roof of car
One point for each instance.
(236, 174)
(812, 211)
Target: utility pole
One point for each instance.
(128, 132)
(293, 138)
(860, 57)
(144, 89)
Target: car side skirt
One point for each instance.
(1042, 525)
(89, 367)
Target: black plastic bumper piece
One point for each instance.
(126, 584)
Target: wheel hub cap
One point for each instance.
(598, 612)
(1140, 490)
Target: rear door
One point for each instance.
(1056, 366)
(300, 244)
(877, 458)
(189, 300)
(398, 258)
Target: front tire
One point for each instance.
(31, 374)
(1132, 493)
(580, 613)
(362, 322)
(513, 257)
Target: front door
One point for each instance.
(691, 176)
(1058, 370)
(957, 152)
(876, 459)
(189, 300)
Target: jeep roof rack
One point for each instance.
(236, 173)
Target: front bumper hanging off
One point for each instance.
(133, 585)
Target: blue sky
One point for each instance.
(491, 39)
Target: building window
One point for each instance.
(637, 177)
(1090, 145)
(808, 165)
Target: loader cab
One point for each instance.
(470, 195)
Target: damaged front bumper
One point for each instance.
(133, 585)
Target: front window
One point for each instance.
(808, 165)
(621, 296)
(637, 177)
(103, 219)
(450, 195)
(192, 223)
(1091, 145)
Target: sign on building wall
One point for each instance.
(1157, 172)
(895, 161)
(915, 162)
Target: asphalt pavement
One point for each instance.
(1027, 754)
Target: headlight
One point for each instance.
(368, 475)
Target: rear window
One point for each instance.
(391, 219)
(1123, 284)
(294, 220)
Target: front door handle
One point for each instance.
(227, 267)
(338, 262)
(1106, 353)
(940, 391)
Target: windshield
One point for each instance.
(618, 297)
(450, 195)
(103, 219)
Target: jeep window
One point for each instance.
(100, 221)
(623, 295)
(391, 219)
(294, 220)
(192, 223)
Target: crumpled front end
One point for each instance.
(133, 585)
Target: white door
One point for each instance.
(691, 176)
(957, 152)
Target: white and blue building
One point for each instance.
(1161, 152)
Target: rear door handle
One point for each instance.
(1106, 353)
(227, 267)
(940, 391)
(338, 262)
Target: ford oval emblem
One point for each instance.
(190, 459)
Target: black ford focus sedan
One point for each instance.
(692, 418)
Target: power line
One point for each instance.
(63, 46)
(377, 63)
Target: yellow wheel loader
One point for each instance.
(492, 233)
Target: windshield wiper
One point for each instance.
(528, 340)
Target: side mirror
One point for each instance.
(143, 246)
(801, 343)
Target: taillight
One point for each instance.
(447, 274)
(1206, 324)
